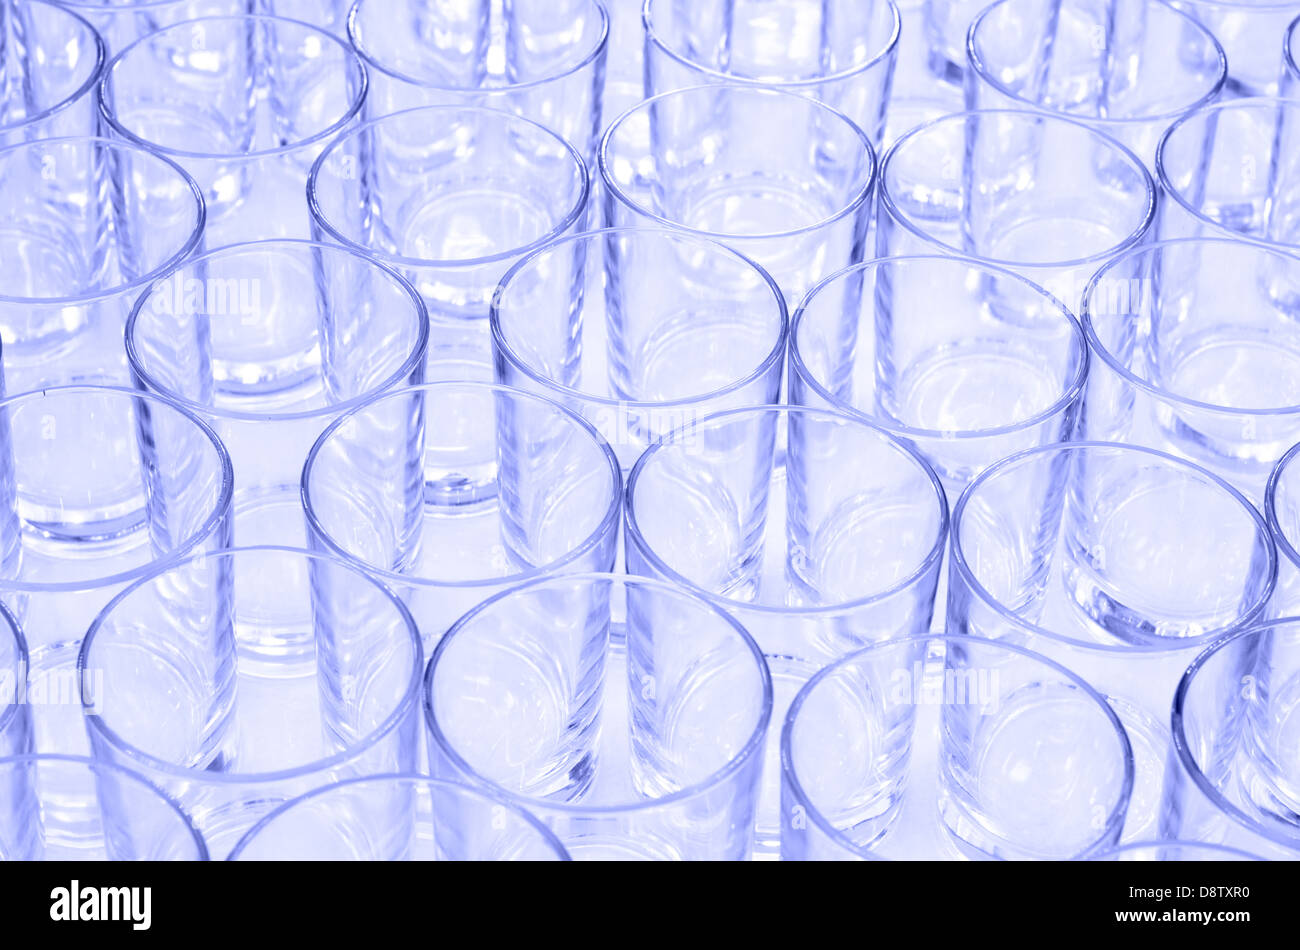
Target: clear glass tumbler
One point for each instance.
(1237, 774)
(451, 492)
(15, 724)
(98, 486)
(967, 362)
(66, 808)
(269, 342)
(640, 331)
(705, 160)
(540, 59)
(1026, 760)
(245, 105)
(627, 715)
(89, 224)
(1196, 351)
(1127, 68)
(449, 197)
(1282, 508)
(399, 818)
(1121, 563)
(51, 60)
(836, 544)
(1232, 170)
(840, 52)
(1246, 28)
(1044, 196)
(243, 678)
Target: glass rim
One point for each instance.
(653, 36)
(1183, 750)
(1167, 187)
(9, 711)
(905, 221)
(636, 538)
(221, 508)
(369, 58)
(979, 66)
(481, 793)
(318, 217)
(123, 7)
(96, 764)
(1071, 396)
(1271, 490)
(604, 527)
(406, 705)
(1291, 47)
(1096, 346)
(861, 195)
(1169, 645)
(754, 744)
(1224, 852)
(503, 347)
(109, 114)
(412, 361)
(177, 257)
(86, 86)
(790, 778)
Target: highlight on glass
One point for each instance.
(626, 714)
(51, 59)
(1026, 760)
(1282, 508)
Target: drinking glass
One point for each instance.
(640, 331)
(67, 808)
(89, 223)
(1282, 508)
(1043, 196)
(98, 486)
(1232, 170)
(1196, 351)
(627, 715)
(704, 160)
(15, 724)
(51, 60)
(1246, 28)
(1175, 851)
(1127, 68)
(269, 342)
(836, 545)
(399, 818)
(966, 362)
(1236, 774)
(540, 59)
(840, 52)
(451, 492)
(450, 197)
(245, 104)
(1026, 760)
(1120, 563)
(243, 678)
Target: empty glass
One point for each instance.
(641, 331)
(88, 224)
(540, 59)
(243, 678)
(449, 197)
(1175, 851)
(245, 105)
(1127, 68)
(627, 715)
(1282, 508)
(51, 60)
(1246, 28)
(1233, 170)
(270, 342)
(1196, 352)
(399, 818)
(65, 808)
(1026, 760)
(15, 725)
(705, 160)
(1120, 563)
(840, 52)
(835, 545)
(98, 486)
(967, 362)
(451, 492)
(1044, 196)
(1237, 774)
